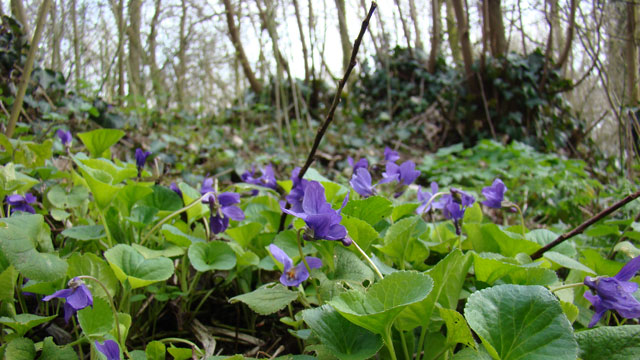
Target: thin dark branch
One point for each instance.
(336, 98)
(334, 105)
(582, 227)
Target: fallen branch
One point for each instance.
(582, 227)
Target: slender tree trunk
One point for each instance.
(17, 10)
(562, 60)
(136, 84)
(405, 28)
(181, 67)
(305, 53)
(344, 34)
(436, 34)
(53, 16)
(452, 31)
(234, 35)
(632, 53)
(117, 7)
(157, 80)
(496, 28)
(414, 17)
(465, 43)
(76, 45)
(28, 66)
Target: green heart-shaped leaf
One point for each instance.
(100, 140)
(93, 265)
(344, 339)
(19, 237)
(96, 320)
(516, 322)
(215, 255)
(85, 232)
(267, 299)
(376, 309)
(371, 210)
(129, 265)
(22, 323)
(610, 342)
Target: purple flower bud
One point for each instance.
(494, 194)
(65, 137)
(141, 157)
(77, 297)
(614, 293)
(391, 155)
(175, 189)
(293, 276)
(110, 349)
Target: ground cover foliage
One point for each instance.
(110, 251)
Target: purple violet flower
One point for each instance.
(614, 293)
(65, 137)
(175, 189)
(454, 204)
(361, 182)
(268, 178)
(141, 158)
(297, 191)
(322, 221)
(222, 209)
(405, 174)
(293, 276)
(361, 164)
(391, 155)
(110, 349)
(77, 297)
(21, 203)
(494, 194)
(425, 197)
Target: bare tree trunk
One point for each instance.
(56, 38)
(118, 9)
(496, 28)
(435, 35)
(17, 10)
(76, 45)
(465, 42)
(157, 82)
(405, 28)
(632, 53)
(414, 17)
(344, 34)
(305, 53)
(452, 31)
(136, 84)
(181, 68)
(562, 60)
(234, 35)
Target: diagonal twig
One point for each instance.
(582, 227)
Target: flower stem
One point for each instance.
(168, 217)
(567, 286)
(375, 268)
(423, 334)
(113, 309)
(521, 217)
(106, 227)
(388, 340)
(306, 265)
